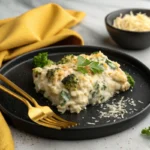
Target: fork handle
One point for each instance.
(16, 96)
(18, 89)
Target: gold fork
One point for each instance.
(42, 115)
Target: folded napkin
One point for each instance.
(6, 141)
(40, 27)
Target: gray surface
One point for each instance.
(94, 32)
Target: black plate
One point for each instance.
(19, 71)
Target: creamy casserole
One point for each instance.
(77, 81)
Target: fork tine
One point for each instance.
(57, 123)
(40, 122)
(61, 125)
(53, 121)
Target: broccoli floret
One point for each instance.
(70, 82)
(51, 73)
(130, 79)
(66, 59)
(42, 60)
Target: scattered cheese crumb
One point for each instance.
(115, 110)
(92, 123)
(118, 109)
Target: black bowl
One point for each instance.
(128, 39)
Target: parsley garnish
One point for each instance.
(42, 60)
(146, 131)
(85, 65)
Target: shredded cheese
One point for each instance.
(139, 22)
(115, 110)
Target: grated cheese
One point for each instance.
(115, 110)
(140, 101)
(93, 118)
(92, 123)
(139, 22)
(118, 109)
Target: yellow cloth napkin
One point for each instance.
(6, 141)
(40, 27)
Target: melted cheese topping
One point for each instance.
(90, 89)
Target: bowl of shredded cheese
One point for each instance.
(129, 28)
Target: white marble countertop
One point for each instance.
(94, 32)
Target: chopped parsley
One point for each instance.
(146, 131)
(84, 66)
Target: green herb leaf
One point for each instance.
(82, 61)
(111, 64)
(82, 70)
(94, 66)
(146, 131)
(86, 62)
(130, 79)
